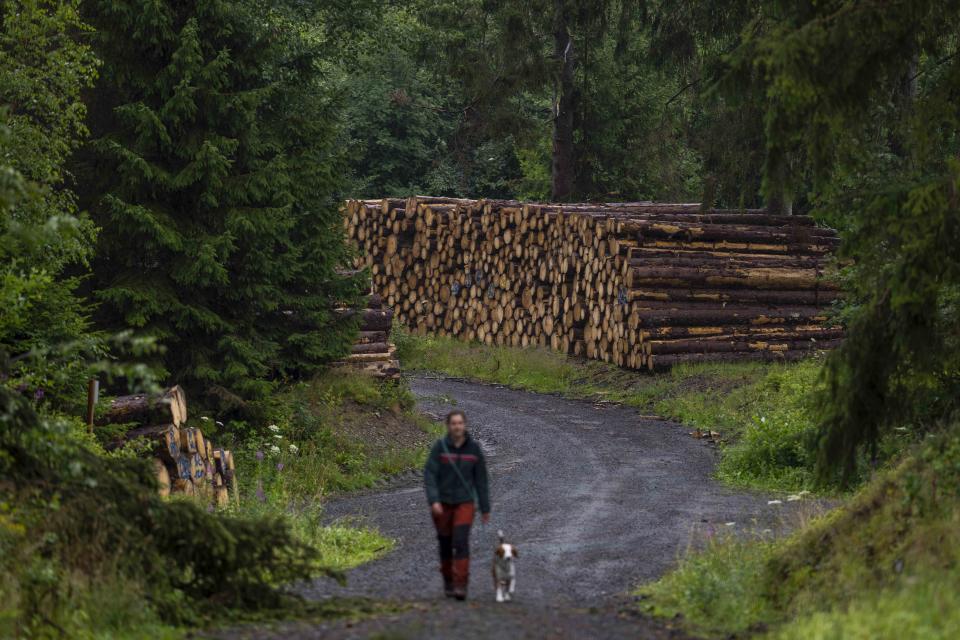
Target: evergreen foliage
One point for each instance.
(212, 174)
(865, 97)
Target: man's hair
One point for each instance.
(455, 412)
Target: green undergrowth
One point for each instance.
(89, 550)
(885, 565)
(342, 431)
(761, 410)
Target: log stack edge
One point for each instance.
(641, 285)
(184, 460)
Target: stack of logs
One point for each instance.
(641, 285)
(184, 460)
(372, 352)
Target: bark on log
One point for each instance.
(742, 315)
(800, 297)
(734, 332)
(165, 439)
(757, 278)
(730, 232)
(168, 407)
(372, 347)
(740, 344)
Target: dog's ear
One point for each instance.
(499, 552)
(516, 554)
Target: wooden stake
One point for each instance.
(93, 396)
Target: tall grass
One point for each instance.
(886, 565)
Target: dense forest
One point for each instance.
(170, 177)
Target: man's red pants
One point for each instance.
(453, 533)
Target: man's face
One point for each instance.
(457, 426)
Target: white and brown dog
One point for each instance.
(504, 571)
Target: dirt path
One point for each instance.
(597, 499)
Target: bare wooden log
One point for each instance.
(162, 475)
(583, 278)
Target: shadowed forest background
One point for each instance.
(170, 177)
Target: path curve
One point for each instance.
(597, 498)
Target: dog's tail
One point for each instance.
(500, 535)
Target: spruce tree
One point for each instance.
(211, 174)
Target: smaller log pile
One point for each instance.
(373, 352)
(638, 284)
(184, 460)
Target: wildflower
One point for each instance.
(261, 495)
(763, 419)
(278, 436)
(279, 466)
(730, 524)
(273, 427)
(274, 449)
(218, 423)
(293, 448)
(774, 502)
(205, 418)
(38, 395)
(259, 456)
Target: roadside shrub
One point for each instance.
(80, 514)
(884, 565)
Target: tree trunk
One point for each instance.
(562, 173)
(779, 198)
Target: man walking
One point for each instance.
(456, 479)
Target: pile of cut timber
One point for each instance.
(642, 285)
(372, 352)
(184, 460)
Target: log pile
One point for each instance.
(641, 285)
(373, 352)
(184, 461)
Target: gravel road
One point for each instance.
(596, 497)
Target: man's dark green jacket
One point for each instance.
(443, 484)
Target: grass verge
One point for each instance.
(883, 566)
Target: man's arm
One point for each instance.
(430, 471)
(481, 483)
